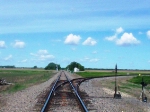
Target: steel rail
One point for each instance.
(80, 100)
(66, 82)
(50, 95)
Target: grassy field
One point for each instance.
(136, 80)
(130, 85)
(111, 73)
(22, 79)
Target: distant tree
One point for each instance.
(35, 67)
(8, 66)
(72, 65)
(52, 66)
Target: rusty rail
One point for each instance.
(49, 96)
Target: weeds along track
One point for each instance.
(62, 96)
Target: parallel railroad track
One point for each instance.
(64, 96)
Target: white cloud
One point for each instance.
(114, 37)
(72, 39)
(43, 55)
(2, 44)
(23, 61)
(42, 52)
(119, 30)
(111, 38)
(19, 44)
(94, 60)
(94, 52)
(33, 54)
(87, 59)
(8, 58)
(127, 39)
(46, 57)
(89, 41)
(140, 33)
(148, 34)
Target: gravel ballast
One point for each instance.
(100, 97)
(103, 101)
(25, 100)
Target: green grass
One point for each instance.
(22, 79)
(129, 85)
(132, 83)
(98, 74)
(138, 79)
(94, 74)
(16, 87)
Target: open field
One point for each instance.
(129, 84)
(96, 88)
(126, 71)
(23, 78)
(93, 73)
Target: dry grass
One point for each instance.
(126, 87)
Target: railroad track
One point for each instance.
(64, 96)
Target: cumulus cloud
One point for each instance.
(114, 37)
(119, 30)
(72, 39)
(111, 38)
(8, 58)
(43, 55)
(127, 39)
(19, 44)
(89, 41)
(148, 34)
(2, 44)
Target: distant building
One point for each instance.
(76, 69)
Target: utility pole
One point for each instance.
(144, 98)
(115, 80)
(116, 95)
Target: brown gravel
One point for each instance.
(100, 97)
(24, 101)
(103, 101)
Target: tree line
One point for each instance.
(70, 67)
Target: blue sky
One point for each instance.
(97, 34)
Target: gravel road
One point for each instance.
(101, 98)
(103, 101)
